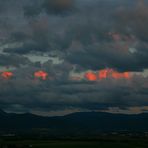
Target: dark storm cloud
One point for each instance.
(134, 21)
(58, 6)
(97, 54)
(83, 36)
(13, 60)
(55, 32)
(81, 33)
(61, 95)
(108, 54)
(51, 7)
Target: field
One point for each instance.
(77, 144)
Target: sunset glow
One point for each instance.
(103, 74)
(106, 73)
(91, 76)
(7, 75)
(41, 74)
(118, 75)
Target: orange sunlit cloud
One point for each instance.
(7, 74)
(91, 76)
(106, 73)
(119, 75)
(103, 74)
(41, 74)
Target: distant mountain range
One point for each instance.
(76, 123)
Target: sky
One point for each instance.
(64, 56)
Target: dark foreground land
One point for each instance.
(77, 130)
(57, 144)
(103, 143)
(48, 144)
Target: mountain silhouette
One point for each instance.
(76, 123)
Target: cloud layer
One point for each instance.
(79, 35)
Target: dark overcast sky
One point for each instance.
(67, 38)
